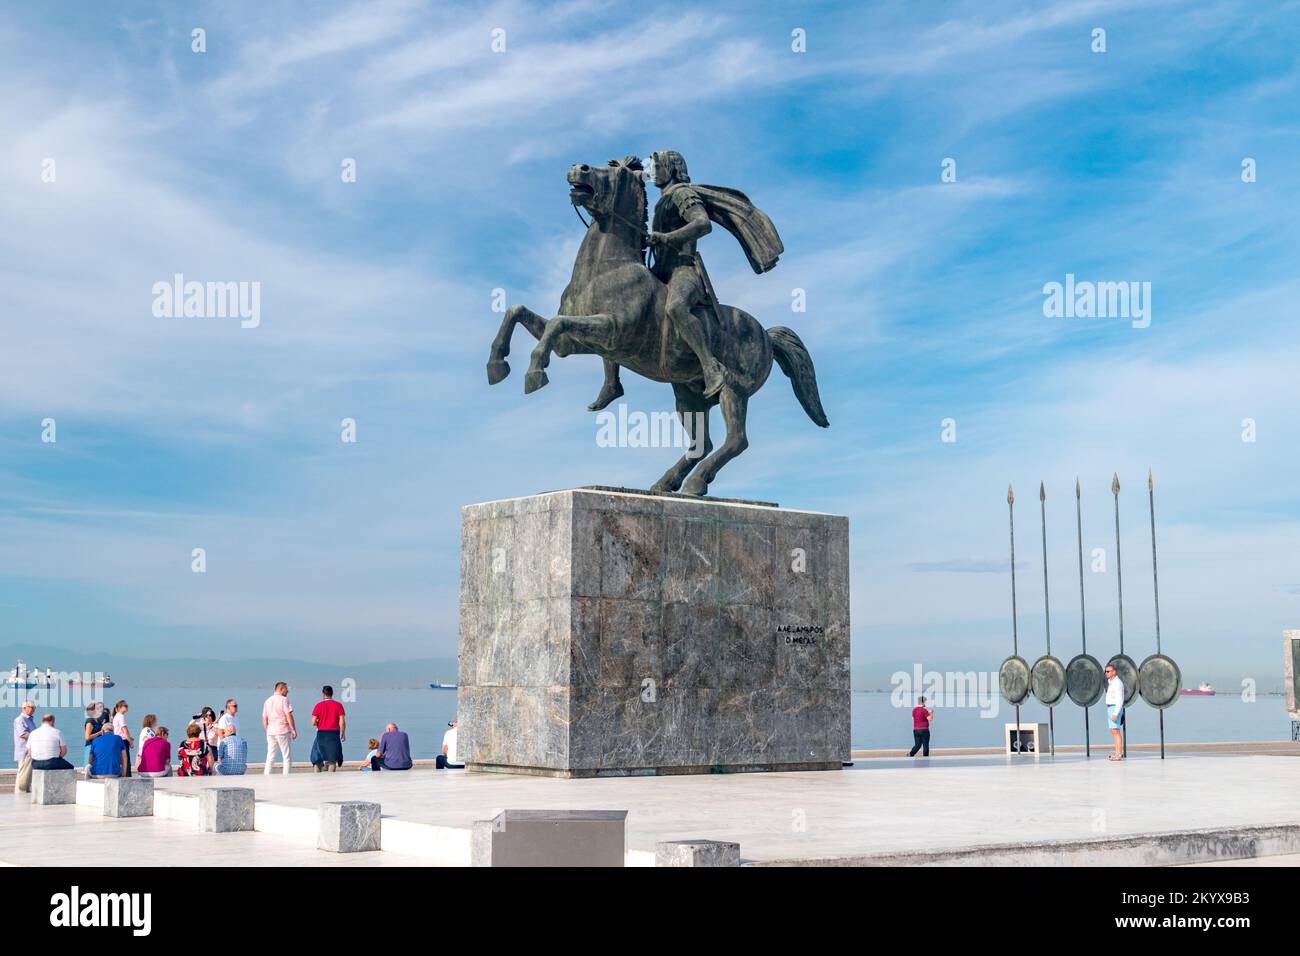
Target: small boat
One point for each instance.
(1205, 690)
(100, 683)
(437, 685)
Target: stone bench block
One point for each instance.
(128, 797)
(226, 809)
(52, 787)
(697, 853)
(349, 826)
(550, 838)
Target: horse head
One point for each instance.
(613, 191)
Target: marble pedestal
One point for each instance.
(227, 809)
(697, 853)
(606, 633)
(550, 838)
(349, 826)
(54, 787)
(128, 797)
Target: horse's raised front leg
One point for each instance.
(589, 328)
(693, 411)
(498, 368)
(734, 404)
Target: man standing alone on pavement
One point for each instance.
(921, 717)
(1115, 710)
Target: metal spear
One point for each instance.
(1015, 639)
(1083, 622)
(1119, 583)
(1047, 612)
(1155, 578)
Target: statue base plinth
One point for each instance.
(607, 633)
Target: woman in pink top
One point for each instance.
(155, 756)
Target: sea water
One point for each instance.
(879, 720)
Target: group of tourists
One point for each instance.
(212, 744)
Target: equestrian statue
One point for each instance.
(663, 320)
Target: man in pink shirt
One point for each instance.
(277, 718)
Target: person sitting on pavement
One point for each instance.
(447, 759)
(232, 756)
(395, 749)
(372, 756)
(109, 756)
(47, 747)
(194, 757)
(155, 758)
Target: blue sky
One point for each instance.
(924, 303)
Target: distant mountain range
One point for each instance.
(251, 672)
(415, 673)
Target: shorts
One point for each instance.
(1114, 715)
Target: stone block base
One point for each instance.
(350, 826)
(697, 853)
(550, 838)
(54, 787)
(608, 633)
(226, 809)
(128, 796)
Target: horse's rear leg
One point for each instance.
(693, 411)
(734, 405)
(497, 367)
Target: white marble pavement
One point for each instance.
(883, 806)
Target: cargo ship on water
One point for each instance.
(1205, 690)
(22, 678)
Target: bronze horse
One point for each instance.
(613, 307)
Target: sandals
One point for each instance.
(1114, 758)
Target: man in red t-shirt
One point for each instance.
(921, 717)
(330, 721)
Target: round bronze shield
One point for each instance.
(1047, 680)
(1013, 680)
(1159, 681)
(1084, 680)
(1128, 673)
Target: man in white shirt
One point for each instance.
(228, 722)
(47, 747)
(447, 759)
(1115, 710)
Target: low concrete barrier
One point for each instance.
(128, 797)
(53, 787)
(226, 809)
(697, 853)
(550, 838)
(349, 826)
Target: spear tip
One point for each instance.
(1114, 484)
(1011, 496)
(1151, 485)
(1077, 492)
(1042, 492)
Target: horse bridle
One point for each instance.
(639, 227)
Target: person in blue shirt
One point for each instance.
(108, 756)
(232, 756)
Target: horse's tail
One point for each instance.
(793, 357)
